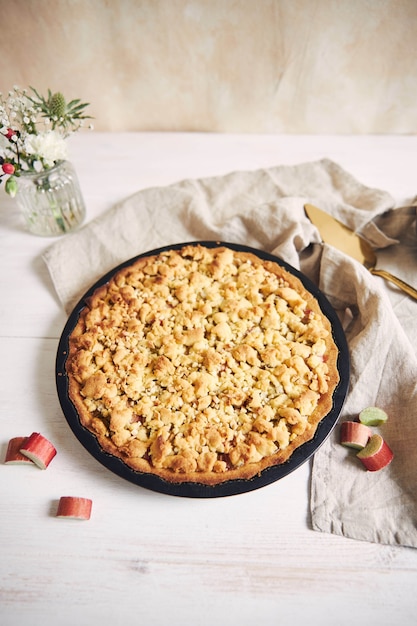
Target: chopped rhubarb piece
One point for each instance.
(74, 508)
(376, 454)
(354, 435)
(13, 454)
(372, 416)
(39, 450)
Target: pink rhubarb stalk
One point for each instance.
(39, 450)
(376, 454)
(71, 507)
(354, 435)
(13, 454)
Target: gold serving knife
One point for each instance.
(341, 237)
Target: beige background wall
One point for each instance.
(295, 66)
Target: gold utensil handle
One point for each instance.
(397, 281)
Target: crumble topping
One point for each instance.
(202, 364)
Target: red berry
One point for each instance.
(10, 133)
(8, 168)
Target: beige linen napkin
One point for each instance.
(264, 209)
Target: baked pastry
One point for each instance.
(202, 364)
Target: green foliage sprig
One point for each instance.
(33, 129)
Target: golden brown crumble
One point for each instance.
(202, 364)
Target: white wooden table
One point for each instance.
(144, 557)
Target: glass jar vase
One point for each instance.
(51, 201)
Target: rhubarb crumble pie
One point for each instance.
(202, 364)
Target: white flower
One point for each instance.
(49, 146)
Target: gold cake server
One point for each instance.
(341, 237)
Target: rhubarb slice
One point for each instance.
(13, 454)
(72, 507)
(376, 454)
(373, 416)
(354, 435)
(39, 450)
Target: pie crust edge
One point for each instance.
(243, 472)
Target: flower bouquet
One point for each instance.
(33, 154)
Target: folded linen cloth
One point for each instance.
(264, 209)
